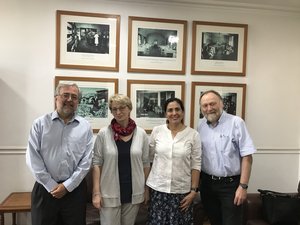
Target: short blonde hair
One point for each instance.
(120, 99)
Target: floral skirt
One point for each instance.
(164, 210)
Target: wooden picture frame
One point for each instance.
(156, 45)
(87, 41)
(234, 98)
(219, 48)
(93, 105)
(148, 98)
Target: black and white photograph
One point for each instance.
(89, 38)
(150, 103)
(148, 99)
(87, 41)
(233, 95)
(157, 43)
(219, 48)
(93, 104)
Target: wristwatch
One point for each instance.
(244, 186)
(195, 189)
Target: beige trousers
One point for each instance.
(122, 215)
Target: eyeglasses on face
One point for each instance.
(66, 96)
(121, 109)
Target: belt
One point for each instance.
(228, 179)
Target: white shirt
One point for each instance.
(173, 159)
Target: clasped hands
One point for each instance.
(59, 191)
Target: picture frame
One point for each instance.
(233, 94)
(95, 92)
(156, 45)
(148, 98)
(219, 48)
(87, 41)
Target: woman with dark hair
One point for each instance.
(175, 150)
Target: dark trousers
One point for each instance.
(69, 210)
(217, 197)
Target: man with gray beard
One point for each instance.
(227, 150)
(59, 154)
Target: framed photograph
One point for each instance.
(156, 45)
(93, 105)
(148, 99)
(87, 41)
(234, 99)
(219, 48)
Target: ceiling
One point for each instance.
(281, 5)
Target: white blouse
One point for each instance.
(173, 159)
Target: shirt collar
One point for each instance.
(56, 116)
(222, 117)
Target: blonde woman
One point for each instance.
(120, 166)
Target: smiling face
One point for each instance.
(67, 101)
(120, 107)
(211, 107)
(120, 112)
(174, 113)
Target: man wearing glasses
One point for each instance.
(59, 155)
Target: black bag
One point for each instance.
(280, 208)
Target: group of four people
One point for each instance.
(130, 168)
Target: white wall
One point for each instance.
(27, 71)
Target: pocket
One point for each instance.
(224, 141)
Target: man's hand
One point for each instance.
(240, 196)
(59, 191)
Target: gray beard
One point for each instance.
(213, 118)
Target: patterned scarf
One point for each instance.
(118, 130)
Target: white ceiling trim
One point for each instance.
(283, 6)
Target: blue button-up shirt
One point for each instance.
(224, 145)
(59, 152)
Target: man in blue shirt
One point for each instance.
(227, 150)
(59, 155)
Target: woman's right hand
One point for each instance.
(97, 200)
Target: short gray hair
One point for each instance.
(67, 84)
(211, 91)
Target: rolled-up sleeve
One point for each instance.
(196, 152)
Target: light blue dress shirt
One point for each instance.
(224, 145)
(59, 152)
